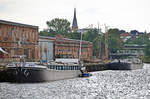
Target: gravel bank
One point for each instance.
(108, 84)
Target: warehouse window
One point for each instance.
(26, 52)
(18, 32)
(33, 35)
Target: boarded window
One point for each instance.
(32, 53)
(13, 33)
(9, 30)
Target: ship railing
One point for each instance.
(63, 67)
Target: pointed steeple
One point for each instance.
(74, 23)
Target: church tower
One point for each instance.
(74, 23)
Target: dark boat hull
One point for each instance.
(125, 66)
(32, 74)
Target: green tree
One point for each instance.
(146, 57)
(58, 26)
(143, 39)
(98, 45)
(147, 50)
(45, 32)
(75, 35)
(91, 35)
(114, 41)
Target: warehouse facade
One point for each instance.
(69, 48)
(18, 39)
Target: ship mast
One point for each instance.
(99, 43)
(106, 42)
(80, 48)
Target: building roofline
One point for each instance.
(43, 40)
(16, 24)
(65, 39)
(47, 37)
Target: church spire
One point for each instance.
(74, 24)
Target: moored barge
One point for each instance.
(35, 72)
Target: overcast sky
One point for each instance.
(122, 14)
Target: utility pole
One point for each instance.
(106, 42)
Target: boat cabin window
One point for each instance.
(57, 67)
(67, 67)
(61, 68)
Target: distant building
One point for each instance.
(136, 34)
(130, 50)
(84, 30)
(18, 39)
(74, 23)
(135, 49)
(125, 36)
(148, 34)
(69, 48)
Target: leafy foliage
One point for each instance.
(146, 57)
(45, 32)
(58, 26)
(143, 39)
(97, 42)
(91, 35)
(114, 41)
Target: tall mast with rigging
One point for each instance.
(80, 48)
(106, 42)
(99, 43)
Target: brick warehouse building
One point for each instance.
(69, 48)
(18, 39)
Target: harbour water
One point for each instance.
(108, 84)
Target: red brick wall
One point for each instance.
(11, 34)
(67, 47)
